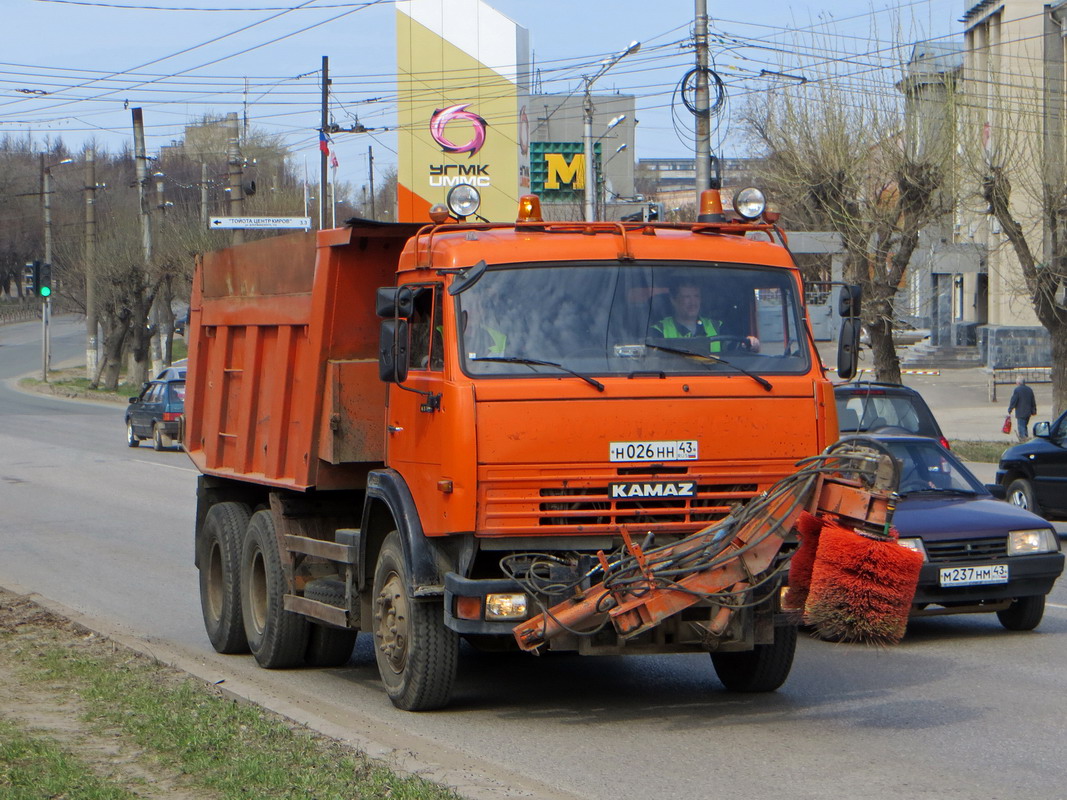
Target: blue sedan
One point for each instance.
(980, 554)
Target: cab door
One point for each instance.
(417, 420)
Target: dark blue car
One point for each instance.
(1034, 473)
(980, 553)
(156, 413)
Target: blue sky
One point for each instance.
(97, 58)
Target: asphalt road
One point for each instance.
(961, 709)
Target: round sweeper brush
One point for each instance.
(861, 587)
(802, 562)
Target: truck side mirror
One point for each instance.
(849, 301)
(385, 302)
(848, 349)
(393, 351)
(999, 492)
(1041, 430)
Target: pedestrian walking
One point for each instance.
(1024, 404)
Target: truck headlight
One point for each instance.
(749, 203)
(505, 606)
(463, 200)
(915, 545)
(1036, 540)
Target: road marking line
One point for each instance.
(166, 466)
(1055, 605)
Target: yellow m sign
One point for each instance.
(561, 171)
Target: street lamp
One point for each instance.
(605, 65)
(603, 178)
(46, 203)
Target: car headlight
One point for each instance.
(1035, 540)
(915, 545)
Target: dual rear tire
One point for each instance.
(242, 592)
(242, 588)
(277, 638)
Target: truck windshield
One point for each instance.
(615, 319)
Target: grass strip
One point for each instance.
(231, 749)
(36, 768)
(971, 450)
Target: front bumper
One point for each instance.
(458, 586)
(1028, 576)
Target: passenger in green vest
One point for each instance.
(687, 322)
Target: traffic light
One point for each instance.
(44, 279)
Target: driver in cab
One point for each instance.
(686, 321)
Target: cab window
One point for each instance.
(425, 351)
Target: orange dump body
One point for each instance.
(283, 387)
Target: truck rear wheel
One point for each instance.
(276, 637)
(416, 653)
(762, 669)
(328, 646)
(220, 576)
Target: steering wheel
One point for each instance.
(730, 343)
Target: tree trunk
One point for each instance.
(883, 348)
(1058, 335)
(114, 341)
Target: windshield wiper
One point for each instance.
(766, 384)
(536, 362)
(936, 490)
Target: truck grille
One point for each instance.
(594, 506)
(555, 500)
(967, 550)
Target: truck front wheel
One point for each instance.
(220, 576)
(762, 669)
(276, 637)
(416, 653)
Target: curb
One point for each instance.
(451, 768)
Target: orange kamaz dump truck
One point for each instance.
(436, 432)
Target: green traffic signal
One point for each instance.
(44, 279)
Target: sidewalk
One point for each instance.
(959, 399)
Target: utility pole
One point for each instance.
(587, 147)
(140, 157)
(92, 355)
(322, 132)
(370, 169)
(205, 216)
(703, 102)
(236, 204)
(46, 207)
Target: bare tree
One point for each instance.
(1018, 166)
(837, 158)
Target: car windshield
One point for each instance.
(928, 467)
(865, 410)
(626, 319)
(176, 392)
